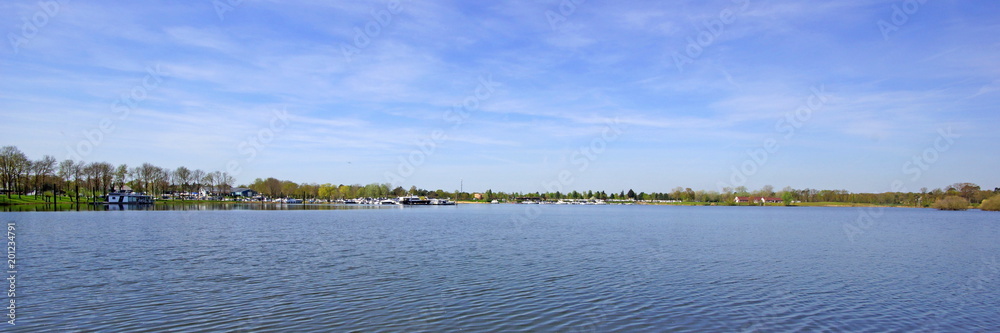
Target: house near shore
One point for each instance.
(763, 200)
(757, 200)
(243, 192)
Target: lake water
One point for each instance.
(491, 268)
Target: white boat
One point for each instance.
(293, 201)
(129, 198)
(413, 201)
(388, 202)
(442, 202)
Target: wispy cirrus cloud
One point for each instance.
(559, 87)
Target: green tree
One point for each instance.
(967, 190)
(787, 198)
(741, 191)
(288, 188)
(398, 191)
(326, 191)
(272, 187)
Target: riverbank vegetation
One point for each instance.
(951, 203)
(47, 181)
(991, 204)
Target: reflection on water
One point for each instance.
(185, 206)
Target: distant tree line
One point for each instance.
(47, 177)
(972, 193)
(274, 188)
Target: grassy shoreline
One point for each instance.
(63, 200)
(31, 200)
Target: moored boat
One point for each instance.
(129, 198)
(442, 202)
(413, 200)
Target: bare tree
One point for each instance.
(144, 177)
(77, 170)
(273, 187)
(104, 175)
(120, 177)
(66, 171)
(45, 169)
(135, 179)
(226, 182)
(31, 179)
(161, 179)
(211, 180)
(182, 176)
(197, 179)
(12, 165)
(87, 176)
(765, 191)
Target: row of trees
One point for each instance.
(21, 175)
(972, 193)
(274, 188)
(954, 202)
(47, 178)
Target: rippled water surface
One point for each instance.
(492, 268)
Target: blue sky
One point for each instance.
(570, 95)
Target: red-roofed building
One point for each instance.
(767, 200)
(757, 200)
